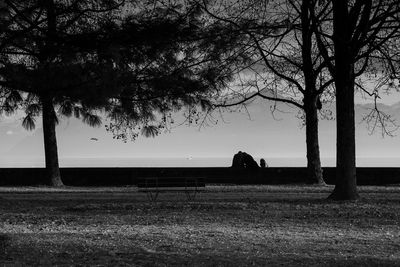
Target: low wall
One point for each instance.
(222, 175)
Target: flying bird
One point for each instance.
(94, 139)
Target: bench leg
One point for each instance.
(152, 196)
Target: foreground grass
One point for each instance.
(225, 226)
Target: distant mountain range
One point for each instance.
(257, 132)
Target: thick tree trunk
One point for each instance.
(346, 185)
(48, 114)
(314, 170)
(50, 143)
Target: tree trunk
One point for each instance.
(50, 142)
(314, 170)
(346, 185)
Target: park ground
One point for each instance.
(224, 226)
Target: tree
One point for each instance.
(62, 54)
(42, 61)
(39, 62)
(280, 39)
(361, 37)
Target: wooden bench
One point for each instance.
(155, 185)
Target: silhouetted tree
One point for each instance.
(286, 64)
(356, 38)
(44, 62)
(85, 57)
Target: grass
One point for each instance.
(225, 226)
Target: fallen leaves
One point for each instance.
(231, 226)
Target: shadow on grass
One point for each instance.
(71, 251)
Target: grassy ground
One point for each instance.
(225, 226)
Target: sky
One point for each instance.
(280, 139)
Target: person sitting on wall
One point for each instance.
(263, 163)
(237, 161)
(242, 160)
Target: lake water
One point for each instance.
(186, 162)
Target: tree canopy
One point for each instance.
(132, 62)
